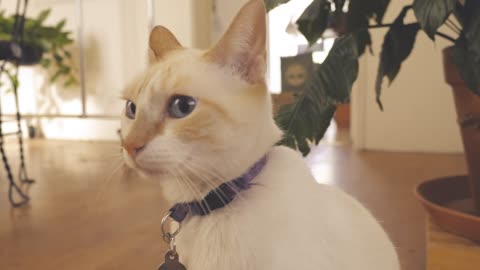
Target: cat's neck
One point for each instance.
(188, 189)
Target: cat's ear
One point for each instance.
(163, 41)
(243, 47)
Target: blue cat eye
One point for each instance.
(130, 109)
(181, 106)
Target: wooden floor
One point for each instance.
(84, 216)
(448, 251)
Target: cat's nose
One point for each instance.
(132, 149)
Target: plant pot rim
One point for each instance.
(436, 193)
(420, 197)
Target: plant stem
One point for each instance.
(452, 22)
(452, 27)
(380, 26)
(445, 36)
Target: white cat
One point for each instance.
(198, 119)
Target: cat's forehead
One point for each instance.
(169, 76)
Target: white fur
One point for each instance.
(287, 221)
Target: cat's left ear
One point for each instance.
(162, 41)
(243, 47)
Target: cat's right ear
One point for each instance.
(162, 41)
(243, 47)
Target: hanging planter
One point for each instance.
(26, 54)
(37, 43)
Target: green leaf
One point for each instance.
(397, 46)
(70, 82)
(58, 58)
(468, 67)
(56, 76)
(308, 117)
(67, 54)
(379, 7)
(360, 11)
(45, 63)
(431, 14)
(359, 15)
(304, 123)
(43, 16)
(314, 20)
(339, 4)
(271, 4)
(5, 36)
(65, 70)
(364, 40)
(12, 76)
(60, 25)
(335, 77)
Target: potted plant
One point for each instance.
(36, 43)
(306, 119)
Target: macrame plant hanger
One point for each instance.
(16, 48)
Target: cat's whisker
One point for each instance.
(221, 179)
(196, 193)
(214, 186)
(106, 183)
(185, 199)
(108, 157)
(188, 182)
(208, 183)
(179, 184)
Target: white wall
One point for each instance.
(226, 11)
(189, 20)
(178, 17)
(419, 111)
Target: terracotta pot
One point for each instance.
(342, 116)
(447, 201)
(468, 111)
(454, 202)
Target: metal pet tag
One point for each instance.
(172, 262)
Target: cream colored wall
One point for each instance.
(419, 111)
(178, 17)
(202, 19)
(189, 20)
(226, 11)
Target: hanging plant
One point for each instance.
(38, 43)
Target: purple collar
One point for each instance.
(219, 197)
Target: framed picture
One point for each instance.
(296, 71)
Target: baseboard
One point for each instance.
(81, 129)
